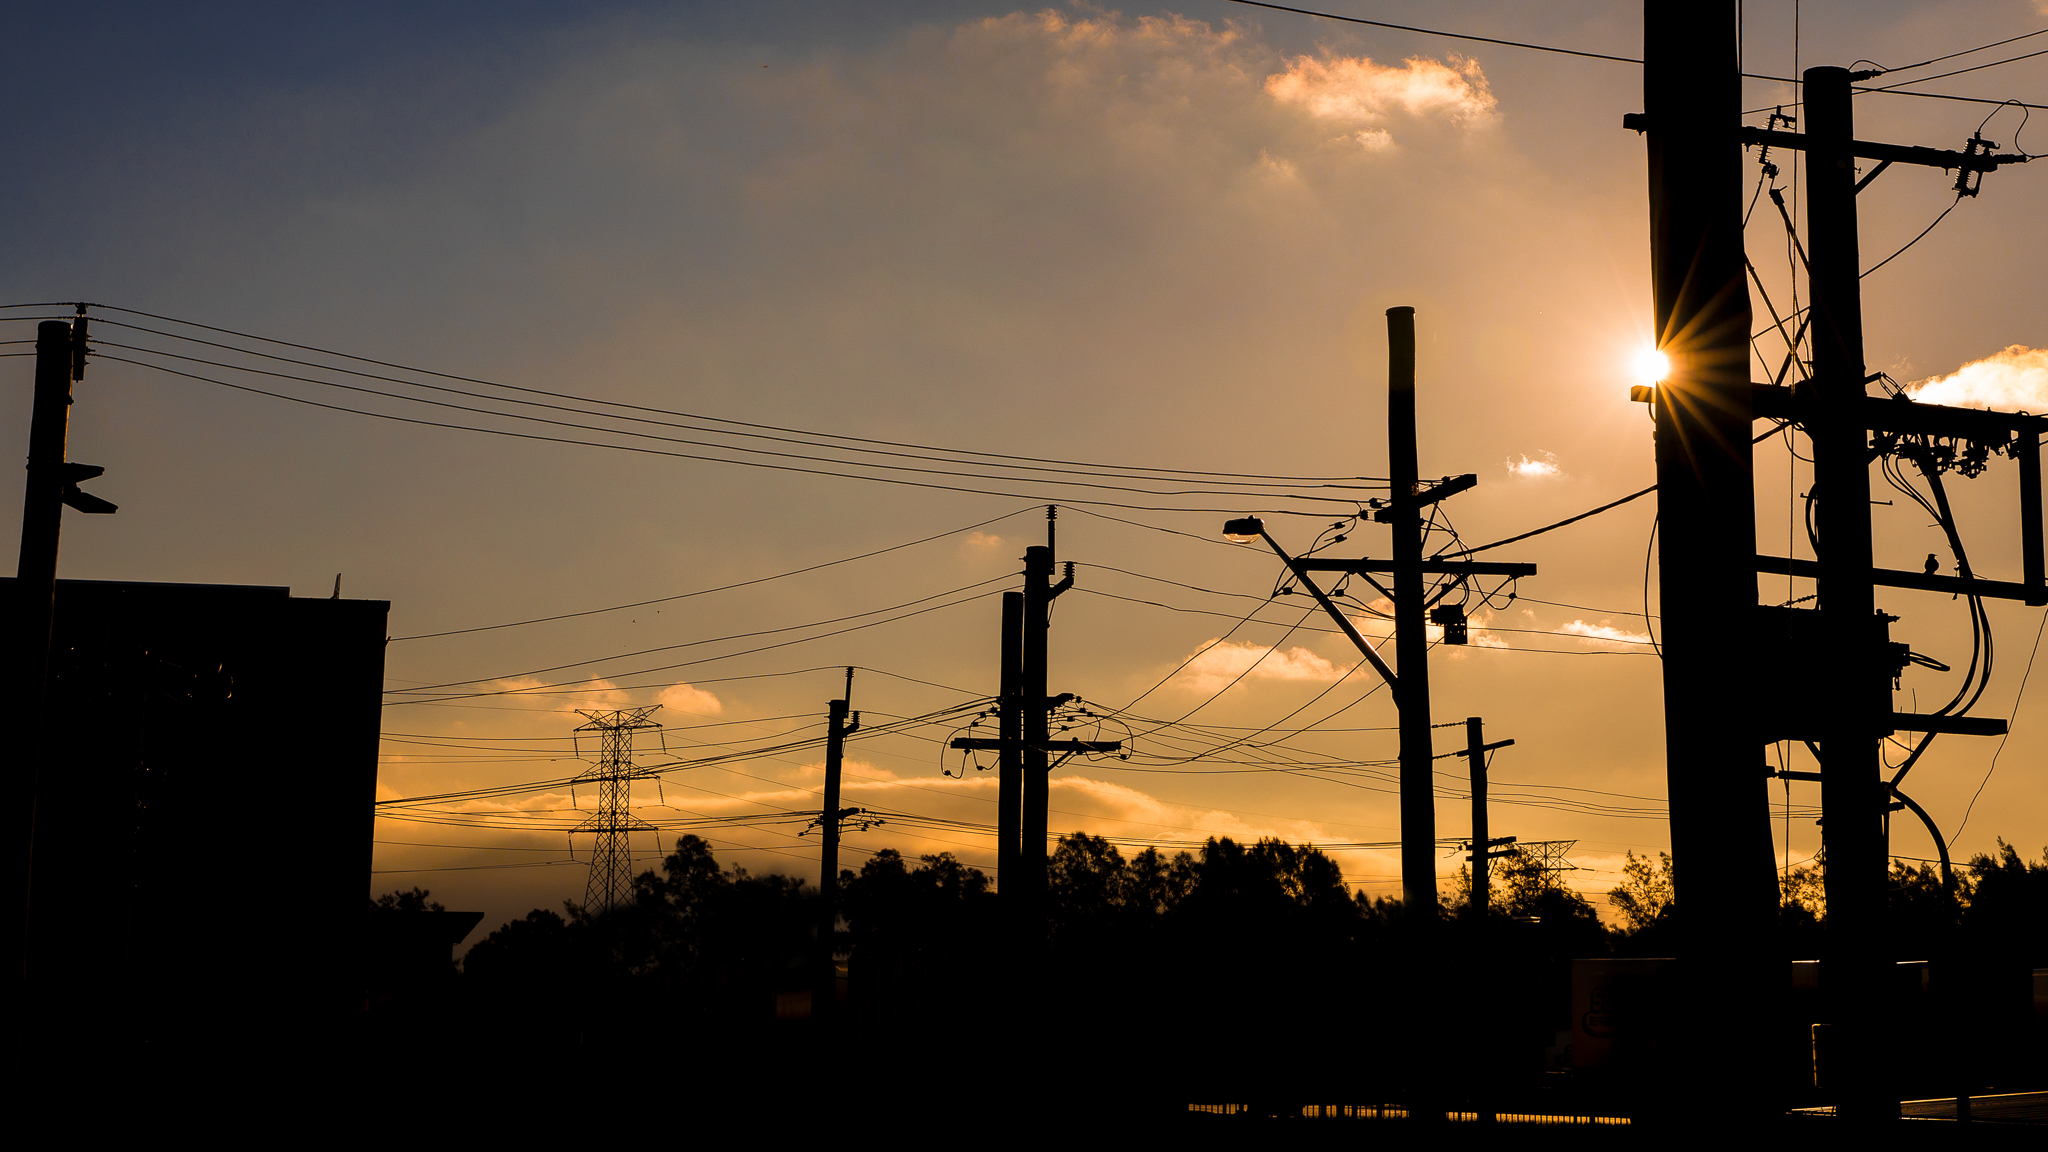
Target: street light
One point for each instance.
(1244, 529)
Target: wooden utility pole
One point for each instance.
(1705, 480)
(1483, 852)
(1010, 757)
(1720, 808)
(1851, 706)
(1025, 742)
(1411, 638)
(1039, 591)
(52, 484)
(839, 724)
(1412, 601)
(1704, 410)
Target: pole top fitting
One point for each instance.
(1401, 310)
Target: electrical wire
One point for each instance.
(720, 588)
(714, 639)
(558, 688)
(1588, 55)
(1915, 240)
(1612, 504)
(2000, 750)
(1439, 32)
(1970, 51)
(766, 464)
(797, 432)
(1961, 71)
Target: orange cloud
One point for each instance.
(2013, 380)
(1355, 90)
(691, 699)
(1217, 667)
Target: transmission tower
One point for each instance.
(611, 860)
(1549, 857)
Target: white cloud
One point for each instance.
(1226, 661)
(2013, 380)
(1605, 632)
(1356, 90)
(1530, 469)
(691, 699)
(983, 540)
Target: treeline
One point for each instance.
(718, 941)
(1259, 955)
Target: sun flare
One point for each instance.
(1651, 366)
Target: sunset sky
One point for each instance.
(1155, 237)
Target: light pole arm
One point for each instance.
(1336, 613)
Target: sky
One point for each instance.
(1157, 237)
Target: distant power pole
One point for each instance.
(1413, 604)
(1010, 758)
(611, 861)
(1039, 593)
(1483, 849)
(839, 724)
(1033, 745)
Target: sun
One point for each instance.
(1651, 366)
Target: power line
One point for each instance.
(1969, 51)
(1028, 460)
(711, 640)
(1226, 491)
(2024, 676)
(1553, 527)
(1961, 71)
(1915, 240)
(1439, 32)
(797, 437)
(1065, 501)
(566, 687)
(1604, 55)
(722, 587)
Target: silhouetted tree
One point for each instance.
(2006, 909)
(417, 900)
(1645, 890)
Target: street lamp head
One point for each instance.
(1244, 529)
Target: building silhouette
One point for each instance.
(204, 822)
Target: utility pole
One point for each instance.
(1854, 709)
(1039, 593)
(839, 724)
(1705, 479)
(52, 484)
(1483, 849)
(1414, 607)
(1706, 537)
(1704, 409)
(1033, 745)
(1010, 758)
(1411, 639)
(1851, 706)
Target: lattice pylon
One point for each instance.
(1550, 856)
(611, 859)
